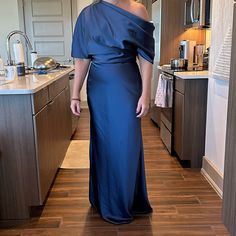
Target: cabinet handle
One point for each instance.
(51, 103)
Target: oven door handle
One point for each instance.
(167, 77)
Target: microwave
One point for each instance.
(197, 13)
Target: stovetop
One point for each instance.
(168, 69)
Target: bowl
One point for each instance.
(45, 64)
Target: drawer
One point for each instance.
(166, 118)
(180, 85)
(56, 87)
(39, 100)
(166, 137)
(155, 114)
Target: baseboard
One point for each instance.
(213, 176)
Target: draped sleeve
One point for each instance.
(146, 43)
(80, 38)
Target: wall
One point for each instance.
(82, 4)
(213, 163)
(9, 21)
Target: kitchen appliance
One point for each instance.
(166, 129)
(199, 52)
(186, 49)
(179, 64)
(197, 13)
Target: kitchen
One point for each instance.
(217, 97)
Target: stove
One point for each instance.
(169, 70)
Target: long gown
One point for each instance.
(112, 38)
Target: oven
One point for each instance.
(166, 118)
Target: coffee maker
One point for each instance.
(187, 51)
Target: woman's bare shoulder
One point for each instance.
(140, 10)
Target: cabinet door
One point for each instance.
(61, 125)
(43, 152)
(178, 123)
(53, 131)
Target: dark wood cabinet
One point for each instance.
(190, 108)
(35, 131)
(178, 123)
(43, 154)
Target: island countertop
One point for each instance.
(31, 83)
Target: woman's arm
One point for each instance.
(81, 69)
(146, 69)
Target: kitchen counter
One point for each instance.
(31, 83)
(186, 74)
(192, 74)
(36, 128)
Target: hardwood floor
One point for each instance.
(184, 203)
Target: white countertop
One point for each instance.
(192, 74)
(31, 83)
(185, 74)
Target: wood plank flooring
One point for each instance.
(184, 203)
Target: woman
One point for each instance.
(108, 36)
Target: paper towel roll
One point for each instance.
(19, 52)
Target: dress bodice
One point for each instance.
(106, 33)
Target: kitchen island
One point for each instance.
(35, 132)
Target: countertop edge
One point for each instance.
(35, 90)
(181, 75)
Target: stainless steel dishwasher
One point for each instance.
(166, 127)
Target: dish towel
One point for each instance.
(164, 94)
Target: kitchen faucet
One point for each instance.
(10, 62)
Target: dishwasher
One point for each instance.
(166, 127)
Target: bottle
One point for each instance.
(34, 56)
(20, 69)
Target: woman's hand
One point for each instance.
(75, 107)
(143, 106)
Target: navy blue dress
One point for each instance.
(112, 38)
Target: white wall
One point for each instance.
(82, 4)
(218, 89)
(9, 21)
